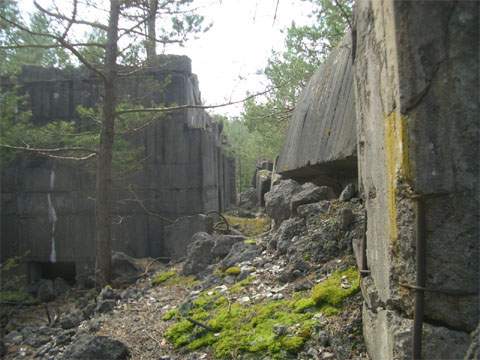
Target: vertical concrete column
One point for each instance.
(417, 93)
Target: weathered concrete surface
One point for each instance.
(417, 91)
(321, 140)
(185, 170)
(389, 336)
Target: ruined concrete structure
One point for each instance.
(416, 129)
(48, 206)
(417, 96)
(321, 142)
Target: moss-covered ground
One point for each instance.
(250, 227)
(277, 328)
(171, 277)
(16, 297)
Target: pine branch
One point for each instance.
(185, 107)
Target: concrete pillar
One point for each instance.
(416, 74)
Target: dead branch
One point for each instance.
(70, 20)
(48, 46)
(185, 107)
(195, 322)
(61, 41)
(344, 14)
(142, 205)
(51, 150)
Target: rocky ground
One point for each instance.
(289, 292)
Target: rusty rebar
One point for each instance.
(420, 281)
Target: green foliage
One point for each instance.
(9, 277)
(246, 146)
(162, 277)
(13, 58)
(288, 71)
(16, 129)
(16, 297)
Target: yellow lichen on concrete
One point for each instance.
(398, 163)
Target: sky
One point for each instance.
(229, 59)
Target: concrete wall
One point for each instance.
(184, 170)
(417, 91)
(321, 141)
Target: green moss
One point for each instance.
(248, 226)
(330, 310)
(239, 286)
(185, 281)
(162, 277)
(303, 304)
(293, 343)
(242, 329)
(179, 333)
(171, 278)
(234, 270)
(170, 314)
(206, 340)
(330, 291)
(250, 241)
(16, 297)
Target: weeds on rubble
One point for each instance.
(234, 271)
(162, 277)
(16, 297)
(170, 278)
(250, 227)
(334, 290)
(237, 328)
(239, 286)
(232, 328)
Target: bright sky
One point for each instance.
(230, 57)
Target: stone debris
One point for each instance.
(309, 247)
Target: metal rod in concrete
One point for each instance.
(421, 277)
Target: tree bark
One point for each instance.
(151, 42)
(103, 266)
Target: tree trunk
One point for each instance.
(103, 266)
(151, 43)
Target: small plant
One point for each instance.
(331, 291)
(237, 328)
(249, 227)
(234, 271)
(160, 278)
(170, 314)
(16, 297)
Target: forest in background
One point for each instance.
(258, 133)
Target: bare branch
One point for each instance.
(51, 150)
(344, 13)
(276, 11)
(49, 46)
(185, 107)
(61, 41)
(73, 158)
(70, 23)
(74, 21)
(48, 152)
(142, 205)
